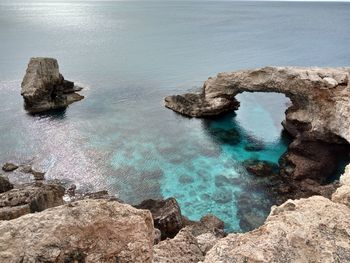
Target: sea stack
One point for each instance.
(44, 88)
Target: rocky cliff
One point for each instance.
(44, 88)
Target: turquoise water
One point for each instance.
(129, 55)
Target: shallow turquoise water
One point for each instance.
(129, 55)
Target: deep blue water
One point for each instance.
(129, 55)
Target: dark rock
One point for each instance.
(5, 185)
(260, 168)
(157, 236)
(38, 176)
(166, 215)
(316, 160)
(29, 199)
(254, 145)
(44, 88)
(71, 190)
(9, 167)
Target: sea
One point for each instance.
(129, 55)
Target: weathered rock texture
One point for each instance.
(318, 118)
(192, 242)
(306, 230)
(315, 229)
(166, 215)
(320, 97)
(83, 231)
(29, 199)
(44, 88)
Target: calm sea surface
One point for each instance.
(128, 56)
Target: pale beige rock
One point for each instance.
(84, 231)
(321, 96)
(29, 199)
(306, 230)
(342, 194)
(183, 248)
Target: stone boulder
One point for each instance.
(9, 167)
(84, 231)
(29, 199)
(166, 215)
(5, 184)
(315, 229)
(44, 88)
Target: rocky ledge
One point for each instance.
(318, 118)
(44, 88)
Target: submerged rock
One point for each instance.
(9, 167)
(166, 215)
(84, 231)
(5, 185)
(44, 88)
(29, 199)
(260, 168)
(231, 136)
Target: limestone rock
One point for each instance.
(342, 194)
(9, 167)
(5, 185)
(84, 231)
(29, 199)
(166, 215)
(297, 231)
(183, 248)
(44, 88)
(318, 116)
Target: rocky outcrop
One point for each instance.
(318, 118)
(83, 231)
(192, 242)
(9, 167)
(44, 88)
(5, 184)
(315, 229)
(166, 215)
(29, 199)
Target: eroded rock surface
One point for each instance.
(166, 215)
(29, 199)
(315, 229)
(83, 231)
(319, 107)
(318, 118)
(44, 88)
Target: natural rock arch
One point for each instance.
(319, 118)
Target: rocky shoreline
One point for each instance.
(97, 227)
(43, 221)
(318, 119)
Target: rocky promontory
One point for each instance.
(44, 88)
